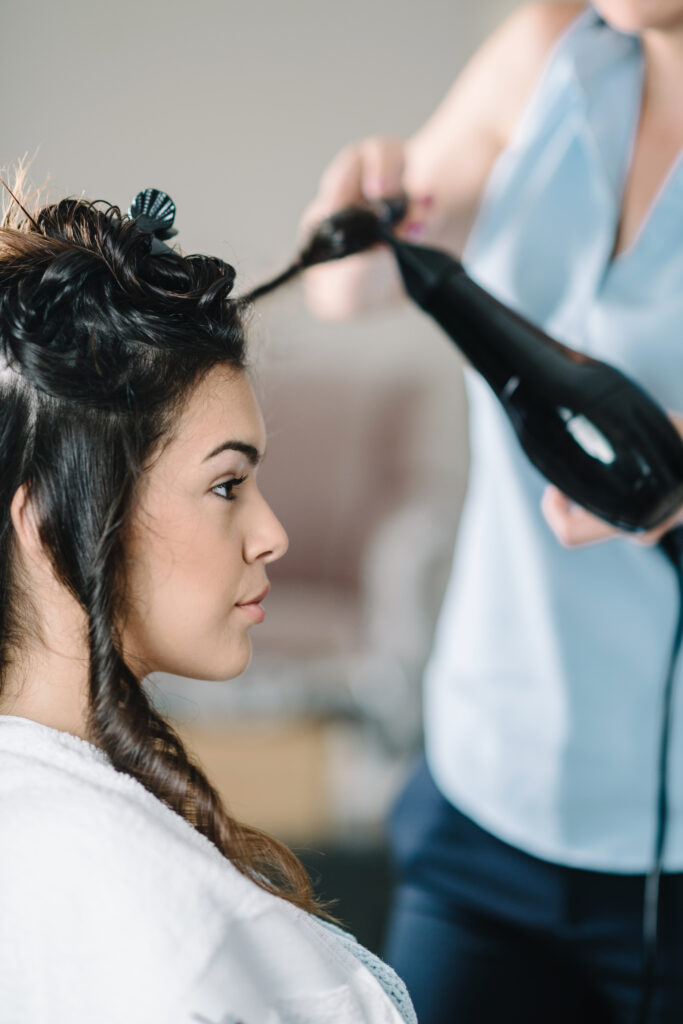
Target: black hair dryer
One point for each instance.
(589, 429)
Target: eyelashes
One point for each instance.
(227, 487)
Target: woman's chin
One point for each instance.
(225, 661)
(214, 670)
(234, 666)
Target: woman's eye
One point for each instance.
(225, 489)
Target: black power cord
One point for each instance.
(671, 545)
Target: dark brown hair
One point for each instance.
(100, 343)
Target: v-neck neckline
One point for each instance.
(652, 211)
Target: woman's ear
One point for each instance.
(25, 526)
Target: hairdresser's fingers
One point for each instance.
(341, 182)
(573, 525)
(374, 168)
(382, 162)
(384, 175)
(340, 186)
(370, 169)
(310, 218)
(653, 537)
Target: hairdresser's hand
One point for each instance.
(575, 527)
(374, 168)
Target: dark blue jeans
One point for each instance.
(481, 931)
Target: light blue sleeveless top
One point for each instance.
(543, 694)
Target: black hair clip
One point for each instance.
(154, 212)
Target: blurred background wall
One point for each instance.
(234, 108)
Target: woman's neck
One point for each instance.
(48, 681)
(61, 704)
(663, 85)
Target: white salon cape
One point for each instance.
(115, 910)
(544, 691)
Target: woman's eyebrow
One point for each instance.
(253, 455)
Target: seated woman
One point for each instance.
(133, 538)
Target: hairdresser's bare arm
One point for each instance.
(448, 159)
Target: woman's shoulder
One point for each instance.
(100, 880)
(538, 24)
(284, 964)
(521, 48)
(66, 813)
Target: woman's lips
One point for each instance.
(255, 612)
(253, 608)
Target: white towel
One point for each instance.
(115, 910)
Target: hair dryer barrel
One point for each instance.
(589, 429)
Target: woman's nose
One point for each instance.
(268, 538)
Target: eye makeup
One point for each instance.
(228, 486)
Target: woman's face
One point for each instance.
(201, 538)
(637, 15)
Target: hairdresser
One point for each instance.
(523, 839)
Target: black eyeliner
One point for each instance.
(232, 483)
